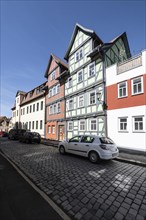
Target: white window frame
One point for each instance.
(53, 129)
(51, 110)
(58, 108)
(50, 92)
(82, 125)
(70, 82)
(133, 120)
(123, 124)
(55, 108)
(93, 63)
(58, 88)
(49, 129)
(70, 122)
(54, 91)
(79, 101)
(132, 85)
(81, 71)
(90, 98)
(121, 96)
(69, 104)
(53, 75)
(90, 124)
(79, 55)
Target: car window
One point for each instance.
(87, 139)
(75, 139)
(105, 140)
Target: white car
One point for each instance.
(91, 146)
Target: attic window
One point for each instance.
(53, 75)
(79, 55)
(30, 94)
(37, 90)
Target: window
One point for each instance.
(55, 109)
(137, 85)
(30, 108)
(70, 126)
(75, 139)
(50, 92)
(122, 124)
(87, 139)
(49, 129)
(30, 94)
(17, 100)
(53, 129)
(93, 125)
(41, 105)
(27, 110)
(58, 88)
(41, 124)
(53, 75)
(92, 98)
(138, 123)
(23, 111)
(80, 76)
(91, 69)
(33, 125)
(79, 55)
(51, 109)
(36, 124)
(122, 89)
(70, 104)
(37, 106)
(58, 107)
(33, 107)
(70, 83)
(30, 125)
(82, 125)
(81, 101)
(54, 90)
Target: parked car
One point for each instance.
(91, 146)
(30, 137)
(3, 134)
(14, 134)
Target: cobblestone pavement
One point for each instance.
(105, 191)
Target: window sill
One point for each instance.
(140, 93)
(123, 131)
(123, 97)
(138, 132)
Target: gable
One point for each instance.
(79, 39)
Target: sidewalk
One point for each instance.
(126, 155)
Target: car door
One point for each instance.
(86, 144)
(73, 145)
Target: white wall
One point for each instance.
(128, 139)
(35, 116)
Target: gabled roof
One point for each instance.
(58, 61)
(84, 30)
(125, 40)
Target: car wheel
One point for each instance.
(62, 150)
(93, 157)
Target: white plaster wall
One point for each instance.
(112, 77)
(128, 139)
(35, 116)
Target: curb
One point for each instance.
(134, 162)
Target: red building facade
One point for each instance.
(56, 73)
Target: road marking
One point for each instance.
(57, 209)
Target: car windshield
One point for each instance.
(106, 140)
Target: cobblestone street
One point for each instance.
(108, 190)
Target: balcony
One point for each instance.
(129, 64)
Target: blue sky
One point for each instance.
(31, 30)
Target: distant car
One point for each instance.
(30, 137)
(91, 146)
(14, 134)
(3, 134)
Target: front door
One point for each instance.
(61, 132)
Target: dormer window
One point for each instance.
(30, 94)
(79, 55)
